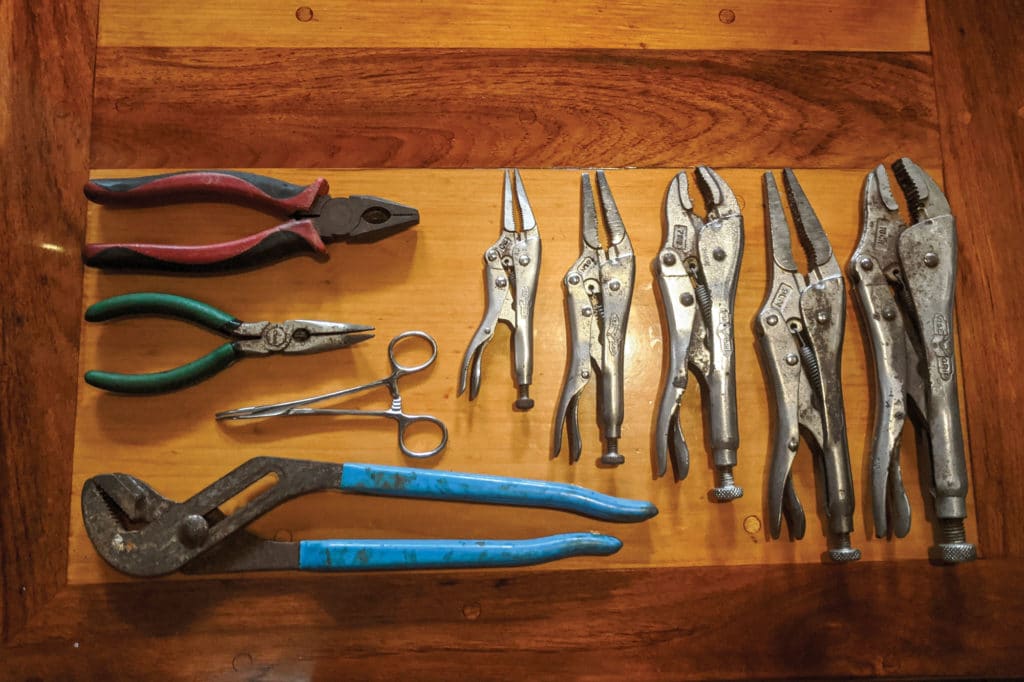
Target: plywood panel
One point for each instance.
(430, 278)
(662, 24)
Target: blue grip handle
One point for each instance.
(372, 479)
(368, 555)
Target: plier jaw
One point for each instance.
(697, 271)
(511, 270)
(599, 289)
(360, 218)
(905, 279)
(800, 333)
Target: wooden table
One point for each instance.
(436, 99)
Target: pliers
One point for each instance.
(599, 288)
(696, 271)
(905, 277)
(512, 265)
(141, 533)
(800, 328)
(314, 218)
(299, 337)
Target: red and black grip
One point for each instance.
(260, 192)
(277, 243)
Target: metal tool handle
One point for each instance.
(365, 555)
(823, 307)
(783, 370)
(884, 322)
(276, 243)
(928, 256)
(494, 274)
(260, 192)
(519, 492)
(679, 308)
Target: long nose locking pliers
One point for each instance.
(905, 278)
(800, 328)
(696, 271)
(599, 288)
(512, 266)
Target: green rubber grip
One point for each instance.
(161, 304)
(171, 380)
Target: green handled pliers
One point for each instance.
(248, 338)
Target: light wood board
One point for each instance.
(430, 278)
(829, 25)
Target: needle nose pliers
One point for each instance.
(139, 532)
(800, 328)
(598, 290)
(513, 265)
(248, 339)
(315, 218)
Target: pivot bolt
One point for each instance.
(194, 530)
(931, 259)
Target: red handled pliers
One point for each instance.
(315, 218)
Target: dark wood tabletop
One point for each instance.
(749, 85)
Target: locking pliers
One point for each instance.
(599, 288)
(697, 270)
(905, 276)
(512, 265)
(800, 328)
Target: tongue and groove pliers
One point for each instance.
(139, 532)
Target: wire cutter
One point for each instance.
(139, 532)
(800, 328)
(905, 277)
(299, 337)
(699, 264)
(314, 218)
(512, 265)
(599, 287)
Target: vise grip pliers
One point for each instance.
(697, 270)
(512, 265)
(800, 328)
(905, 276)
(139, 532)
(599, 288)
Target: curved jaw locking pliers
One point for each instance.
(905, 278)
(800, 328)
(599, 288)
(512, 265)
(697, 270)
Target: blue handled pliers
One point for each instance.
(141, 533)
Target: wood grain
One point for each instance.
(431, 278)
(657, 24)
(981, 107)
(492, 108)
(901, 618)
(872, 619)
(45, 108)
